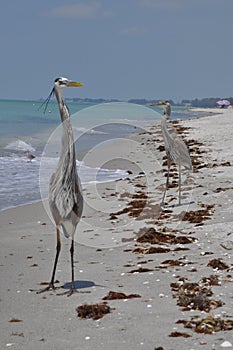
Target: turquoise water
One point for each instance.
(25, 129)
(25, 119)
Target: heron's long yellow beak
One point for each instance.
(156, 104)
(74, 83)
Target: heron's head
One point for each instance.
(64, 82)
(59, 84)
(167, 108)
(163, 103)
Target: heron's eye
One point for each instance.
(62, 82)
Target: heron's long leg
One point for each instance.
(179, 183)
(72, 287)
(58, 249)
(167, 181)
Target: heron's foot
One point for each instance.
(163, 206)
(46, 289)
(72, 291)
(69, 292)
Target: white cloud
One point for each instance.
(80, 10)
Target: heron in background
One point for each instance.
(176, 150)
(65, 193)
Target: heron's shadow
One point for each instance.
(79, 284)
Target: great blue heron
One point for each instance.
(175, 148)
(65, 193)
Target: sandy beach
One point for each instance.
(178, 261)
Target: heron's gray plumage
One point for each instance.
(65, 193)
(176, 149)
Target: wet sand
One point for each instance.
(178, 261)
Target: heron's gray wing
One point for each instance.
(183, 153)
(65, 194)
(175, 147)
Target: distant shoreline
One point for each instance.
(209, 102)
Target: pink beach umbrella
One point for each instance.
(223, 103)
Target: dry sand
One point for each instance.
(106, 259)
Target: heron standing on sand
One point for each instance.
(65, 193)
(176, 150)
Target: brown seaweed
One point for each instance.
(152, 236)
(209, 324)
(94, 311)
(218, 264)
(119, 295)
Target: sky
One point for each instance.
(153, 49)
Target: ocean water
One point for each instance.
(27, 132)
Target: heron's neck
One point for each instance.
(167, 112)
(67, 149)
(64, 112)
